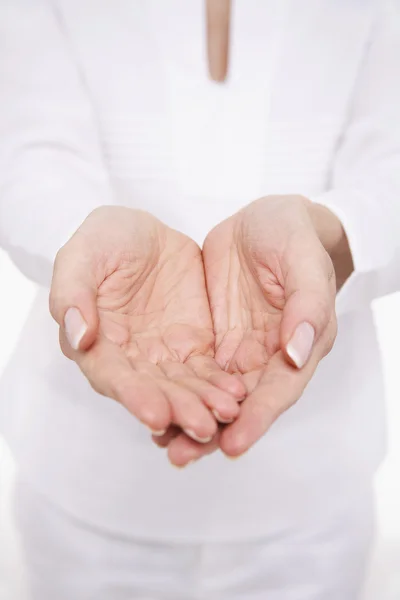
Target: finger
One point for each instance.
(252, 379)
(280, 386)
(218, 25)
(310, 302)
(182, 450)
(110, 374)
(188, 409)
(223, 405)
(162, 441)
(206, 368)
(73, 294)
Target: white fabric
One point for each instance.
(65, 559)
(105, 102)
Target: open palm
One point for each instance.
(149, 342)
(247, 300)
(272, 289)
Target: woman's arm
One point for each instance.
(365, 190)
(51, 170)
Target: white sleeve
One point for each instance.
(51, 170)
(365, 187)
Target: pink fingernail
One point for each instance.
(220, 419)
(300, 346)
(190, 462)
(197, 438)
(75, 327)
(159, 432)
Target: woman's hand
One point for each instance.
(130, 298)
(271, 285)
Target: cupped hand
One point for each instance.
(271, 286)
(130, 298)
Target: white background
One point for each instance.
(16, 294)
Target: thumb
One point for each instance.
(73, 295)
(309, 312)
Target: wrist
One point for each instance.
(334, 239)
(328, 227)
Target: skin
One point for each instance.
(149, 344)
(238, 324)
(179, 337)
(268, 269)
(218, 13)
(174, 334)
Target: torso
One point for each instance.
(193, 152)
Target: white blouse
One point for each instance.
(109, 102)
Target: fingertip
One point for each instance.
(75, 327)
(227, 409)
(201, 439)
(233, 444)
(183, 451)
(180, 454)
(232, 384)
(80, 331)
(88, 339)
(159, 442)
(157, 421)
(183, 466)
(147, 403)
(300, 345)
(162, 439)
(237, 388)
(222, 419)
(158, 433)
(194, 418)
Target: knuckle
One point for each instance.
(97, 383)
(117, 388)
(94, 371)
(121, 389)
(96, 387)
(61, 256)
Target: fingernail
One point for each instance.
(234, 457)
(197, 438)
(190, 462)
(159, 432)
(75, 327)
(300, 346)
(220, 419)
